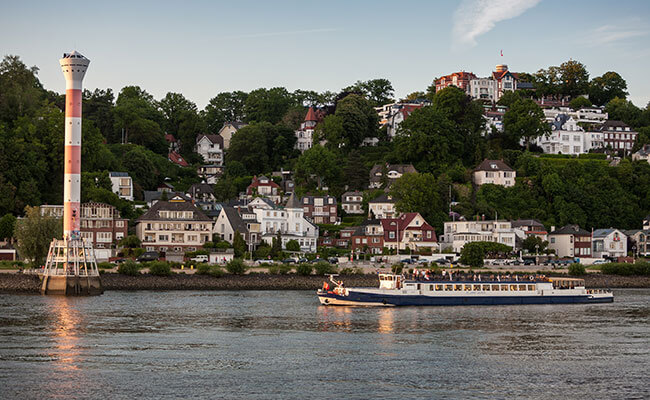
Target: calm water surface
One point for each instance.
(159, 345)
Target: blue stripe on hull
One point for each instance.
(406, 300)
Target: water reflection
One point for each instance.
(386, 320)
(66, 321)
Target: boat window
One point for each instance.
(448, 288)
(419, 287)
(458, 288)
(438, 287)
(476, 287)
(522, 287)
(531, 287)
(495, 288)
(486, 288)
(430, 288)
(467, 288)
(504, 288)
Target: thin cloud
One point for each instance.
(287, 33)
(608, 34)
(473, 18)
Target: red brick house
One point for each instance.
(368, 237)
(458, 79)
(618, 136)
(320, 209)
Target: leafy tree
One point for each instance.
(509, 98)
(606, 87)
(577, 269)
(181, 119)
(293, 245)
(331, 130)
(359, 120)
(547, 82)
(461, 109)
(129, 268)
(7, 225)
(276, 246)
(239, 245)
(98, 107)
(473, 253)
(419, 193)
(224, 107)
(34, 234)
(580, 102)
(267, 105)
(260, 147)
(524, 121)
(20, 91)
(623, 110)
(319, 163)
(377, 91)
(355, 172)
(415, 96)
(131, 242)
(534, 244)
(236, 266)
(136, 112)
(574, 78)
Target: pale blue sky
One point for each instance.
(201, 48)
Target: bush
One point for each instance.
(323, 268)
(304, 269)
(216, 271)
(236, 266)
(160, 268)
(292, 245)
(7, 264)
(203, 269)
(397, 268)
(640, 268)
(129, 268)
(105, 265)
(577, 269)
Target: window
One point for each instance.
(391, 235)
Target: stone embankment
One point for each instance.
(23, 283)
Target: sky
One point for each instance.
(202, 48)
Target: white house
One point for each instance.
(305, 134)
(495, 172)
(609, 243)
(643, 154)
(122, 185)
(210, 147)
(351, 202)
(566, 137)
(227, 130)
(381, 207)
(458, 233)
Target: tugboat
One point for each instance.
(395, 290)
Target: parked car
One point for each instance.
(529, 262)
(148, 256)
(407, 261)
(441, 261)
(263, 261)
(119, 261)
(201, 258)
(302, 260)
(288, 261)
(423, 261)
(598, 262)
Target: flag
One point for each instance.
(501, 53)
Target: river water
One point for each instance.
(283, 345)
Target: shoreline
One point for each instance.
(26, 284)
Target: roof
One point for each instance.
(256, 183)
(235, 124)
(402, 225)
(570, 230)
(612, 123)
(235, 219)
(212, 138)
(200, 188)
(154, 195)
(293, 202)
(400, 168)
(604, 232)
(170, 138)
(644, 151)
(382, 198)
(118, 174)
(526, 222)
(493, 165)
(311, 115)
(152, 214)
(177, 159)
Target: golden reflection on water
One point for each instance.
(386, 320)
(66, 320)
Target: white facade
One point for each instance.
(592, 115)
(483, 88)
(609, 242)
(122, 185)
(291, 224)
(305, 134)
(458, 233)
(210, 149)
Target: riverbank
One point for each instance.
(20, 283)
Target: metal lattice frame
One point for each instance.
(71, 257)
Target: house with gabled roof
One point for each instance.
(388, 173)
(265, 187)
(495, 172)
(643, 154)
(352, 202)
(610, 243)
(408, 231)
(244, 221)
(304, 135)
(210, 147)
(382, 206)
(368, 237)
(228, 129)
(177, 159)
(570, 241)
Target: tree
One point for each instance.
(574, 78)
(98, 107)
(239, 245)
(136, 112)
(623, 110)
(319, 163)
(293, 245)
(276, 245)
(267, 105)
(34, 234)
(461, 109)
(580, 102)
(330, 130)
(248, 146)
(415, 96)
(224, 107)
(606, 87)
(131, 242)
(20, 91)
(359, 120)
(377, 91)
(534, 244)
(415, 192)
(7, 225)
(525, 121)
(509, 98)
(181, 119)
(473, 253)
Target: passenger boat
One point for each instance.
(394, 290)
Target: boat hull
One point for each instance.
(375, 299)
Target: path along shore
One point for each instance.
(23, 283)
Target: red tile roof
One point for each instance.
(177, 159)
(311, 115)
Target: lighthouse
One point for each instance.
(73, 66)
(71, 267)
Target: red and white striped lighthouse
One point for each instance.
(74, 67)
